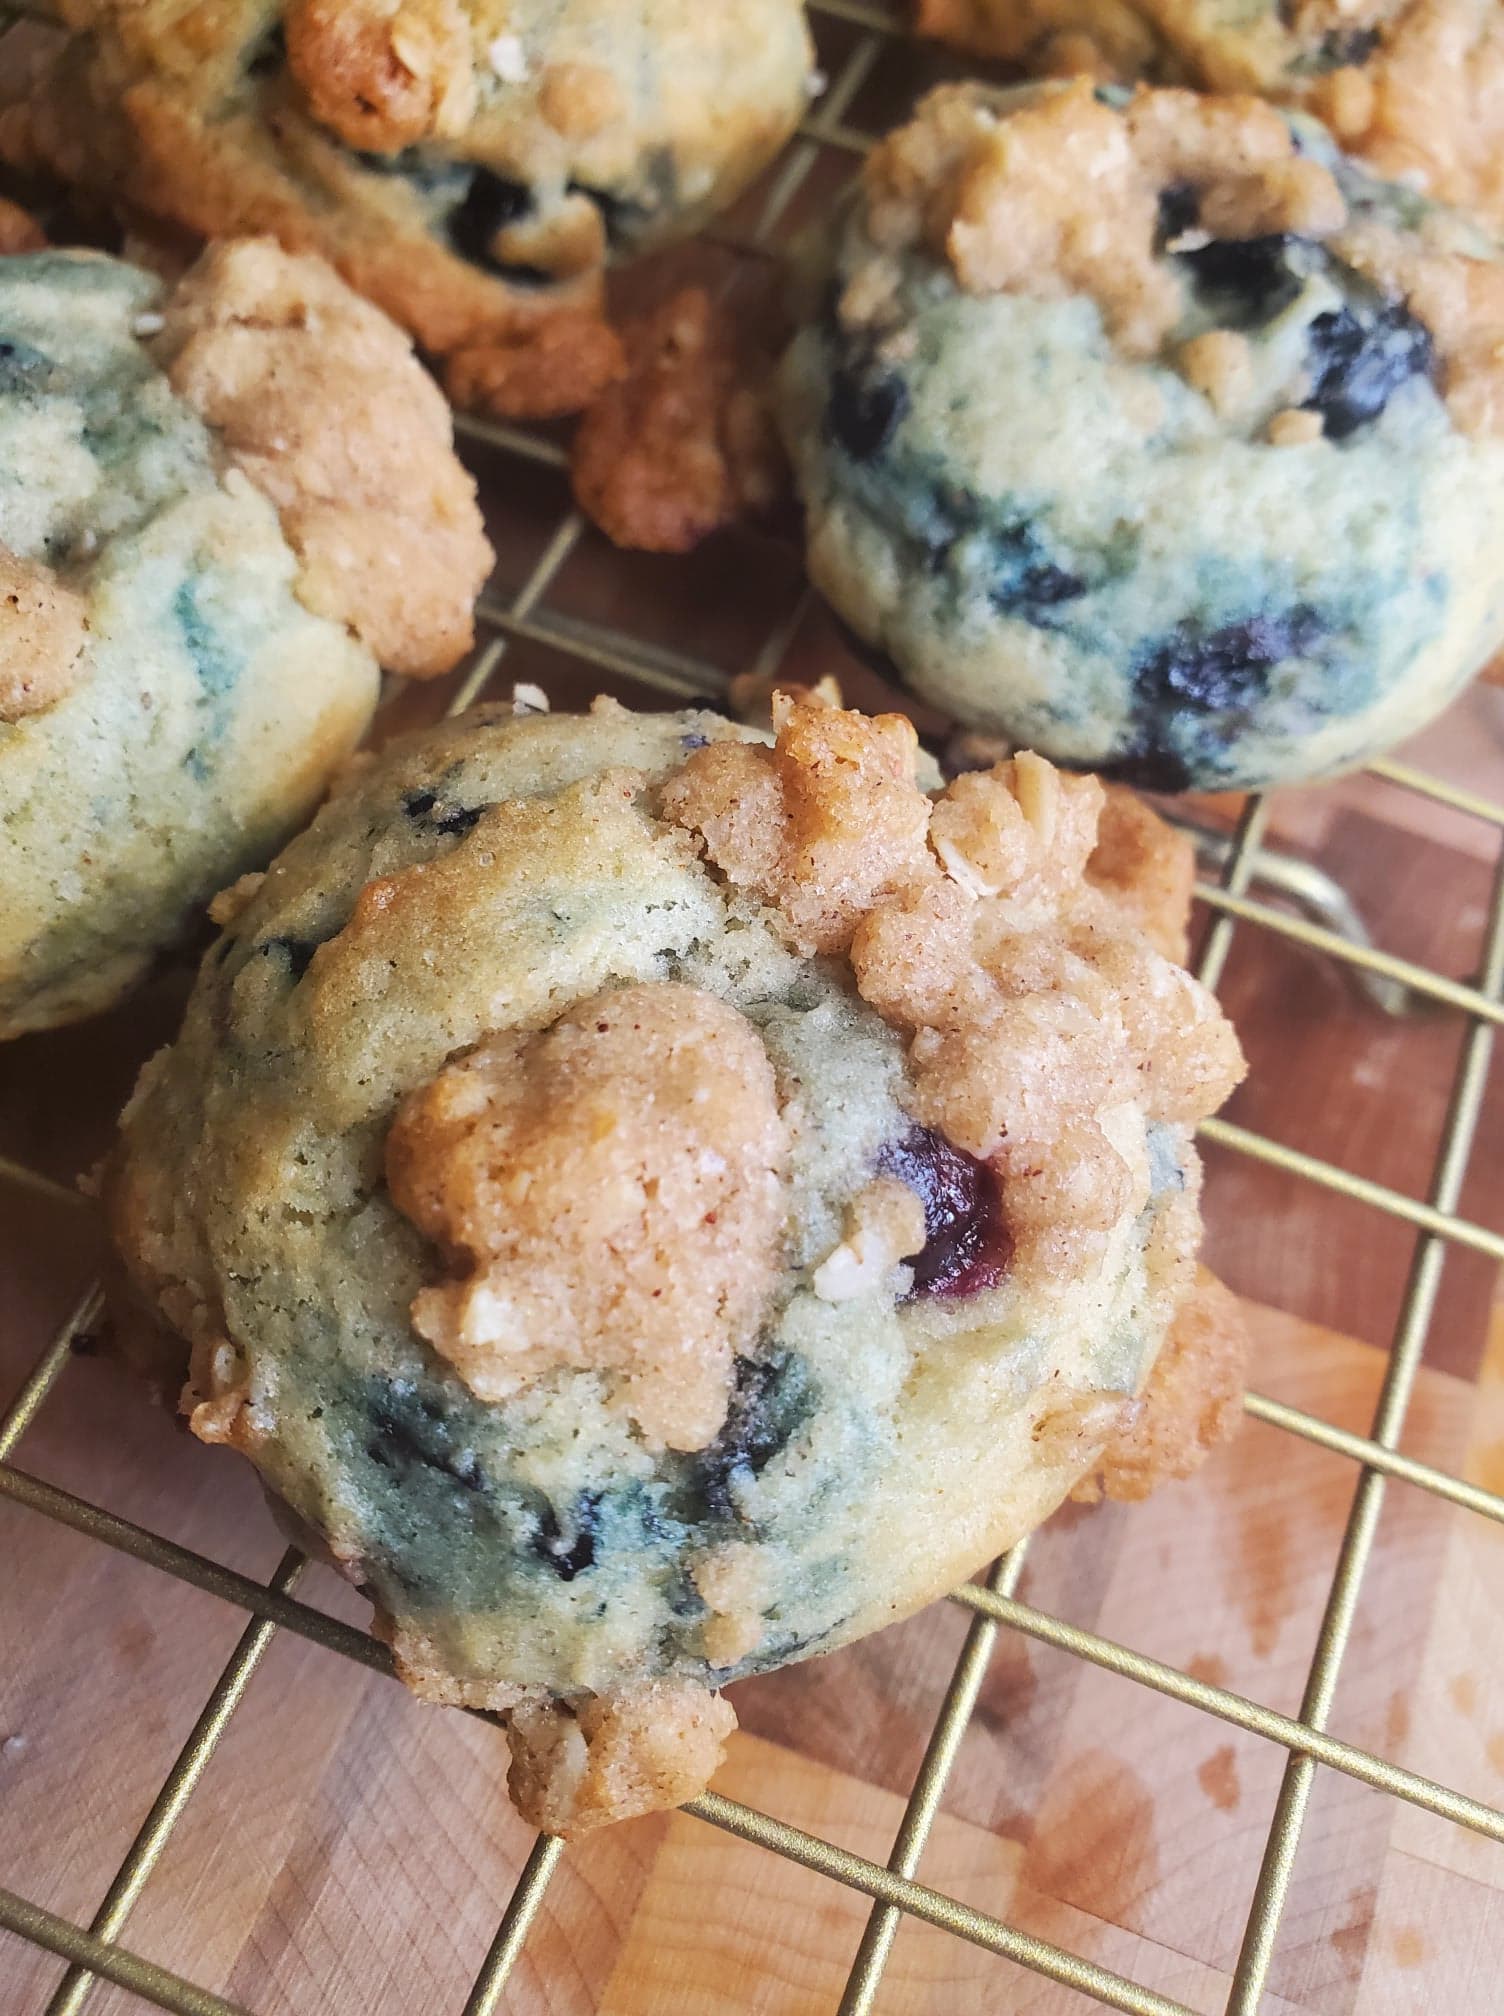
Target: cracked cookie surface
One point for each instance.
(617, 1175)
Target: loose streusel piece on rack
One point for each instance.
(684, 443)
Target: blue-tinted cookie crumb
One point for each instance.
(1166, 1171)
(22, 367)
(407, 1431)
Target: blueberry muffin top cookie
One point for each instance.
(655, 1204)
(1413, 87)
(1152, 432)
(221, 506)
(469, 166)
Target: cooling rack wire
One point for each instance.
(1328, 926)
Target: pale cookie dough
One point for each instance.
(657, 1204)
(222, 506)
(1414, 88)
(1149, 431)
(471, 167)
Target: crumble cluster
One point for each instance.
(318, 398)
(1032, 1005)
(611, 1189)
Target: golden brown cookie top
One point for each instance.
(319, 399)
(610, 1191)
(598, 1279)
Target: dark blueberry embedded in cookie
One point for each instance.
(296, 953)
(568, 1547)
(22, 369)
(770, 1401)
(1358, 362)
(408, 1431)
(427, 808)
(1226, 668)
(490, 205)
(1026, 582)
(1245, 281)
(863, 413)
(966, 1243)
(628, 218)
(1343, 46)
(1179, 211)
(1192, 685)
(268, 53)
(1001, 550)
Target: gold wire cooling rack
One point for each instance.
(855, 38)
